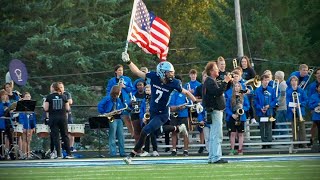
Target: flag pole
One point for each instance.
(130, 25)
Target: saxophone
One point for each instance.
(238, 110)
(110, 115)
(146, 115)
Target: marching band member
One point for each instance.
(310, 91)
(247, 70)
(281, 110)
(236, 106)
(248, 73)
(193, 83)
(5, 124)
(314, 105)
(312, 87)
(29, 123)
(221, 63)
(110, 103)
(145, 117)
(126, 88)
(162, 84)
(302, 75)
(265, 101)
(177, 105)
(295, 106)
(136, 106)
(57, 106)
(13, 96)
(269, 73)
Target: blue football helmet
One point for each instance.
(164, 67)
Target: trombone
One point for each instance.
(303, 84)
(235, 63)
(295, 95)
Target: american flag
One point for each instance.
(149, 32)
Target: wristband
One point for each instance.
(129, 62)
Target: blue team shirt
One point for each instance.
(160, 93)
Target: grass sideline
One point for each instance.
(307, 169)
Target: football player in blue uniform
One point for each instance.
(162, 84)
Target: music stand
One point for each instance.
(27, 107)
(98, 123)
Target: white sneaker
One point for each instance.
(183, 129)
(155, 153)
(68, 157)
(144, 154)
(253, 121)
(127, 160)
(53, 154)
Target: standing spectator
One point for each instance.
(126, 88)
(214, 103)
(108, 104)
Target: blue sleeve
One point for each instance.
(129, 86)
(229, 107)
(103, 104)
(246, 104)
(274, 99)
(142, 109)
(313, 101)
(304, 98)
(110, 84)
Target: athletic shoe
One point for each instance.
(127, 160)
(69, 157)
(232, 152)
(167, 149)
(155, 153)
(185, 153)
(240, 152)
(253, 121)
(173, 153)
(144, 154)
(183, 129)
(53, 154)
(221, 161)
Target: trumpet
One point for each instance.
(254, 81)
(235, 63)
(303, 84)
(295, 97)
(110, 115)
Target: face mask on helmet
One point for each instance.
(164, 67)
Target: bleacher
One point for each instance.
(252, 142)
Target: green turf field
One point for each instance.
(302, 170)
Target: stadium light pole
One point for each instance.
(238, 28)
